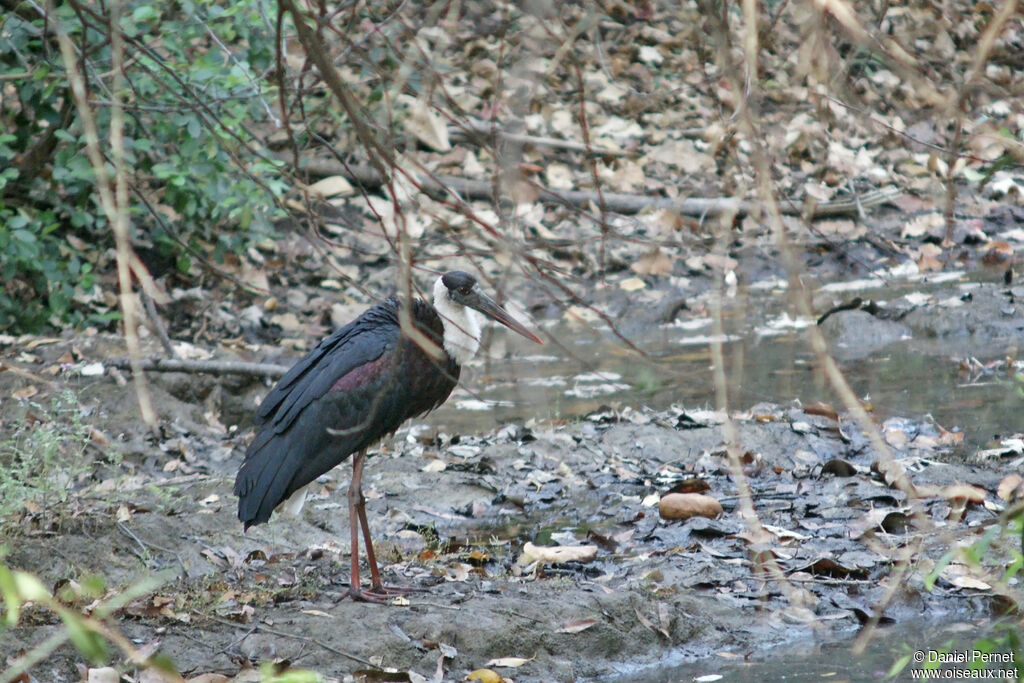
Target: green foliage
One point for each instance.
(198, 176)
(269, 674)
(1000, 551)
(41, 457)
(89, 633)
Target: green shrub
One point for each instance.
(199, 177)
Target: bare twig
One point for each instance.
(299, 637)
(158, 324)
(113, 196)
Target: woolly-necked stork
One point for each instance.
(357, 386)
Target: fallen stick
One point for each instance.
(213, 367)
(444, 186)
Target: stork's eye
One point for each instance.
(464, 291)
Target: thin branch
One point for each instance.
(158, 324)
(113, 196)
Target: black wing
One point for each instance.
(360, 342)
(293, 443)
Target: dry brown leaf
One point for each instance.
(920, 225)
(209, 678)
(1010, 487)
(41, 341)
(427, 125)
(897, 438)
(558, 554)
(969, 582)
(997, 252)
(928, 258)
(652, 263)
(963, 492)
(686, 505)
(105, 674)
(458, 572)
(838, 227)
(332, 186)
(576, 626)
(509, 662)
(822, 409)
(98, 438)
(25, 392)
(650, 624)
(559, 177)
(632, 284)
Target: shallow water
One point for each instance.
(585, 370)
(940, 648)
(910, 379)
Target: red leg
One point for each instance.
(355, 494)
(357, 516)
(376, 585)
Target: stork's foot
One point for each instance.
(379, 595)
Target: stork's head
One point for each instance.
(458, 298)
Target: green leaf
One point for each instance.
(933, 575)
(91, 644)
(30, 588)
(899, 665)
(11, 596)
(267, 675)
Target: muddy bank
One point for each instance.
(451, 516)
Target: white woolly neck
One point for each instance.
(461, 325)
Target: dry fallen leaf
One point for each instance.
(969, 582)
(25, 392)
(484, 676)
(632, 284)
(104, 674)
(928, 258)
(963, 492)
(822, 409)
(558, 554)
(427, 125)
(576, 625)
(653, 263)
(650, 624)
(41, 341)
(920, 225)
(332, 186)
(509, 662)
(209, 678)
(686, 505)
(435, 465)
(1010, 487)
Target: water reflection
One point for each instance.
(912, 378)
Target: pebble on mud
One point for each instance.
(686, 505)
